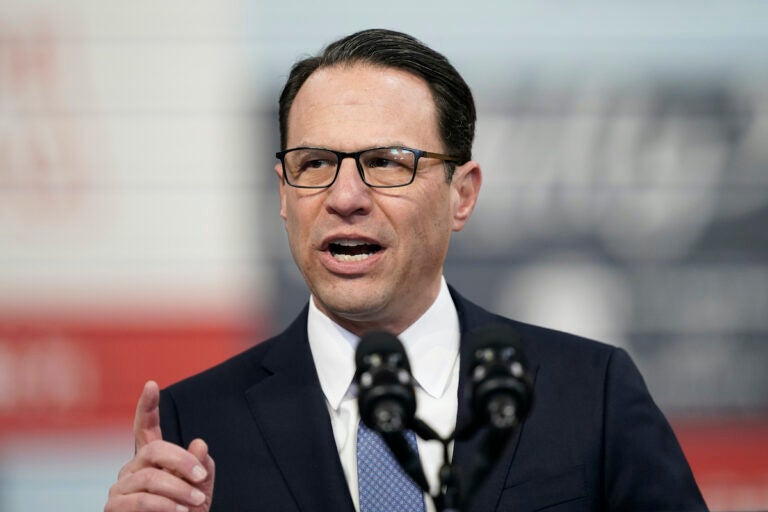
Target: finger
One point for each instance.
(199, 449)
(143, 502)
(161, 483)
(146, 424)
(169, 457)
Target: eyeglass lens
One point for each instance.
(382, 167)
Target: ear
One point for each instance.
(279, 172)
(465, 188)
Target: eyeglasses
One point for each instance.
(385, 167)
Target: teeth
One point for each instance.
(349, 257)
(349, 243)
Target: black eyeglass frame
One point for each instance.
(341, 155)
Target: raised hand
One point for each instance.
(161, 477)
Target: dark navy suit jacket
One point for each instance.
(594, 439)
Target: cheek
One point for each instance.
(292, 225)
(442, 217)
(292, 212)
(431, 227)
(300, 219)
(297, 242)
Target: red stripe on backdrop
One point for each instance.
(60, 375)
(729, 458)
(63, 374)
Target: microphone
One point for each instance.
(500, 386)
(500, 393)
(386, 398)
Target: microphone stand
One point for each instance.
(451, 496)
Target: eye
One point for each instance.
(313, 161)
(316, 163)
(378, 163)
(386, 159)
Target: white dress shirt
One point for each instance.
(432, 345)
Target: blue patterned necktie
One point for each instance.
(382, 484)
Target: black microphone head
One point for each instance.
(382, 343)
(386, 398)
(501, 388)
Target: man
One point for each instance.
(375, 174)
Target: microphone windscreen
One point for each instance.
(501, 389)
(380, 342)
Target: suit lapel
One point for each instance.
(290, 410)
(472, 317)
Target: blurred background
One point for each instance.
(625, 198)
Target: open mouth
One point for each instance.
(352, 250)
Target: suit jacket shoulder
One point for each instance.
(594, 438)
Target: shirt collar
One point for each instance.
(432, 345)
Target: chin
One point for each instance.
(351, 303)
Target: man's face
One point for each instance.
(402, 233)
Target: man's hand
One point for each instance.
(161, 477)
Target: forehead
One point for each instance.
(350, 107)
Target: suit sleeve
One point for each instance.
(645, 468)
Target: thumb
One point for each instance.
(146, 424)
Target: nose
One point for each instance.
(349, 195)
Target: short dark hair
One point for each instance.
(453, 98)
